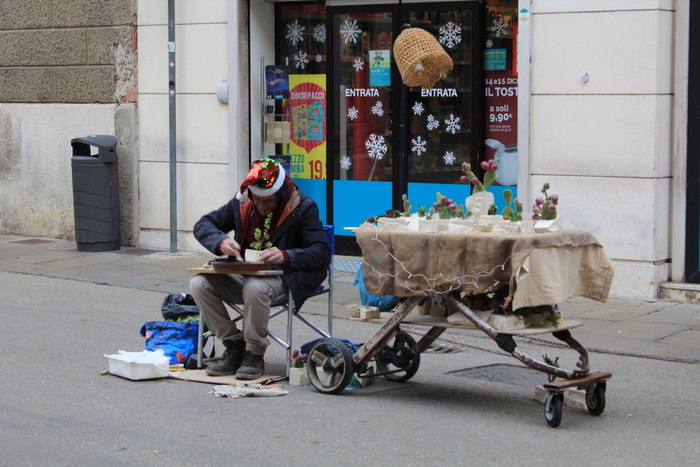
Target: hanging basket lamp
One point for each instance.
(421, 59)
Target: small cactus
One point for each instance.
(513, 214)
(422, 210)
(393, 213)
(406, 206)
(545, 208)
(444, 206)
(489, 167)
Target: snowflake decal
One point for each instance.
(301, 59)
(345, 162)
(489, 44)
(295, 32)
(450, 34)
(433, 123)
(417, 108)
(418, 145)
(350, 31)
(378, 109)
(449, 158)
(452, 124)
(499, 27)
(359, 65)
(320, 32)
(376, 146)
(319, 58)
(352, 113)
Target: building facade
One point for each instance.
(588, 96)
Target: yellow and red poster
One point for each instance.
(307, 111)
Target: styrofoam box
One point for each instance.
(138, 371)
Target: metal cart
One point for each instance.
(395, 264)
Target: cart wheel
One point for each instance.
(330, 366)
(595, 398)
(553, 409)
(398, 355)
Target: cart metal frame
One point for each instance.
(332, 364)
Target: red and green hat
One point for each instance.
(265, 178)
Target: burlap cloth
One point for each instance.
(541, 269)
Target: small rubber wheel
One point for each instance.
(330, 366)
(553, 409)
(398, 355)
(595, 398)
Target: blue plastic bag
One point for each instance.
(178, 340)
(353, 346)
(383, 302)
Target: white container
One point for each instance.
(543, 226)
(506, 228)
(478, 204)
(461, 225)
(393, 223)
(139, 365)
(298, 376)
(527, 226)
(487, 223)
(253, 256)
(507, 323)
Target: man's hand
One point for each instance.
(272, 255)
(229, 246)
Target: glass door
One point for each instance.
(389, 140)
(445, 127)
(364, 99)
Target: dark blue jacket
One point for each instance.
(300, 233)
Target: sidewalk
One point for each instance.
(661, 329)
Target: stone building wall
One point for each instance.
(67, 69)
(66, 51)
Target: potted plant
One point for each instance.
(545, 211)
(480, 203)
(262, 240)
(297, 370)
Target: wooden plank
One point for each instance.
(570, 383)
(431, 321)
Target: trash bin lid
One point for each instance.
(105, 143)
(100, 141)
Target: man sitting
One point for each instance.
(288, 227)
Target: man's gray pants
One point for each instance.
(255, 293)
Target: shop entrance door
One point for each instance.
(389, 140)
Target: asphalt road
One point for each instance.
(57, 409)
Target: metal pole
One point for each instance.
(263, 97)
(173, 126)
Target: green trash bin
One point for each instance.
(96, 193)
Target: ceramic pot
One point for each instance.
(252, 256)
(298, 376)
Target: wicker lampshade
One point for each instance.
(421, 59)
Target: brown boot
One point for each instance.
(233, 356)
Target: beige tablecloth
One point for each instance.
(541, 269)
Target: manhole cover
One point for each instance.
(32, 241)
(503, 373)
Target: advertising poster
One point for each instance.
(307, 112)
(502, 124)
(277, 79)
(379, 68)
